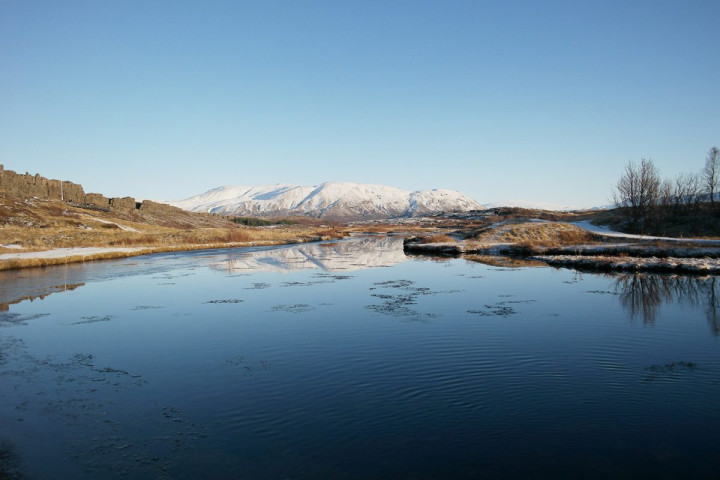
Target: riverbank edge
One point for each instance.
(123, 252)
(610, 257)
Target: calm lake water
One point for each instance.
(349, 360)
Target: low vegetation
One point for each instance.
(438, 238)
(563, 244)
(262, 222)
(533, 234)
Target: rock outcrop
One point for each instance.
(124, 203)
(97, 199)
(29, 186)
(148, 206)
(34, 186)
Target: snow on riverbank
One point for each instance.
(607, 232)
(635, 253)
(69, 252)
(634, 264)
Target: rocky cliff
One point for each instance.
(32, 201)
(29, 186)
(34, 186)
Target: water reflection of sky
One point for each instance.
(278, 361)
(360, 253)
(641, 295)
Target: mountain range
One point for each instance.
(330, 200)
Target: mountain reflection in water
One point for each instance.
(354, 254)
(310, 362)
(642, 295)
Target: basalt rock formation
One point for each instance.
(35, 186)
(29, 186)
(20, 194)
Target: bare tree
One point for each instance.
(637, 192)
(685, 192)
(666, 196)
(711, 173)
(668, 204)
(693, 189)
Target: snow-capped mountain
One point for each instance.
(332, 200)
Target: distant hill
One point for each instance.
(330, 200)
(530, 205)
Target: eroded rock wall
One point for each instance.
(28, 186)
(97, 200)
(149, 206)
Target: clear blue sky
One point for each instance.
(535, 100)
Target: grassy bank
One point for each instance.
(125, 252)
(562, 244)
(34, 225)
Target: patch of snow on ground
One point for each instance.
(121, 227)
(14, 246)
(67, 252)
(586, 225)
(694, 265)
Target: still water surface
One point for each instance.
(351, 360)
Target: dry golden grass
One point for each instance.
(42, 225)
(14, 264)
(37, 225)
(439, 238)
(537, 234)
(142, 248)
(33, 239)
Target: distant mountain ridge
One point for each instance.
(331, 200)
